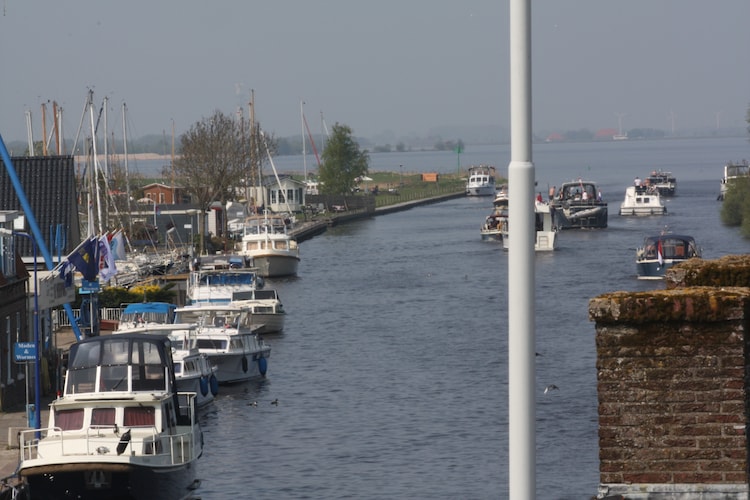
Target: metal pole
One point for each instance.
(521, 261)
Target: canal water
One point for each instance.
(391, 376)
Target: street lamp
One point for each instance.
(37, 368)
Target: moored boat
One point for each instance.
(641, 200)
(226, 335)
(120, 430)
(579, 204)
(268, 244)
(481, 181)
(660, 252)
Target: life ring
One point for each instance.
(214, 383)
(244, 364)
(204, 386)
(262, 365)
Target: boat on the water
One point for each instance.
(120, 430)
(664, 182)
(732, 172)
(545, 239)
(272, 251)
(579, 204)
(141, 315)
(481, 181)
(660, 252)
(494, 225)
(642, 200)
(225, 333)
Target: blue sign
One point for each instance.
(89, 287)
(24, 351)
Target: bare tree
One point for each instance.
(213, 162)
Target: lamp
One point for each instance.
(37, 367)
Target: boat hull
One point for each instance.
(642, 211)
(107, 481)
(484, 190)
(581, 216)
(653, 270)
(233, 368)
(275, 265)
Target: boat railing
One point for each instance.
(173, 449)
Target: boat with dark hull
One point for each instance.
(662, 181)
(660, 252)
(120, 430)
(579, 204)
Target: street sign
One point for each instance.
(53, 292)
(89, 287)
(24, 351)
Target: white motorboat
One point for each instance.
(641, 200)
(733, 171)
(481, 181)
(242, 287)
(225, 334)
(120, 430)
(141, 315)
(546, 233)
(495, 224)
(660, 252)
(272, 250)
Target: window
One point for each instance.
(69, 420)
(103, 416)
(135, 416)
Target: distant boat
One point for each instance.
(495, 223)
(733, 171)
(481, 181)
(664, 182)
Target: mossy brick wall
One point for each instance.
(673, 385)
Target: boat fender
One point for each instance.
(204, 386)
(214, 382)
(244, 364)
(262, 366)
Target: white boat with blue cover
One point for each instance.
(120, 430)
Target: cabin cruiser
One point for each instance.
(268, 245)
(545, 239)
(642, 200)
(227, 336)
(481, 181)
(120, 430)
(579, 204)
(662, 181)
(733, 171)
(660, 252)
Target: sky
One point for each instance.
(390, 68)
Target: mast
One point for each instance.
(304, 151)
(29, 133)
(127, 172)
(44, 129)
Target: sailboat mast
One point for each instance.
(304, 151)
(94, 171)
(127, 172)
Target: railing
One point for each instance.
(61, 317)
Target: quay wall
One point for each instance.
(672, 383)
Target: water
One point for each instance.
(392, 373)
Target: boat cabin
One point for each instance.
(670, 247)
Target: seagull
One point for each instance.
(551, 387)
(275, 402)
(254, 403)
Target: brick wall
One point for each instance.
(673, 392)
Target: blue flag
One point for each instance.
(86, 259)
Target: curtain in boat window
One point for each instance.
(69, 420)
(103, 416)
(139, 417)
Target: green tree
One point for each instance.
(735, 211)
(215, 159)
(342, 162)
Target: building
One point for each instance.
(286, 195)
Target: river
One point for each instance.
(392, 373)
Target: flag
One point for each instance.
(117, 246)
(86, 259)
(107, 267)
(659, 253)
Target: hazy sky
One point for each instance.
(405, 66)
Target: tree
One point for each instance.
(342, 162)
(214, 161)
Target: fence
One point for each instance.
(60, 317)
